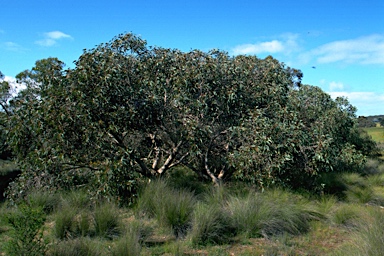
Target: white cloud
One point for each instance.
(360, 96)
(57, 35)
(11, 46)
(51, 38)
(287, 44)
(336, 86)
(363, 50)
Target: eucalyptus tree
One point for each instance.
(128, 111)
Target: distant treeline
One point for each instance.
(371, 121)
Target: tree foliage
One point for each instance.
(129, 111)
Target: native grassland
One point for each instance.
(170, 218)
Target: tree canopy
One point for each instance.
(128, 111)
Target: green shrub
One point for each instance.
(26, 237)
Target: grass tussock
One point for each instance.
(368, 237)
(129, 244)
(172, 219)
(172, 208)
(82, 246)
(210, 225)
(106, 218)
(271, 213)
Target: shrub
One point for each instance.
(26, 238)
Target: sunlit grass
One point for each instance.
(377, 133)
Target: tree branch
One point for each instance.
(168, 162)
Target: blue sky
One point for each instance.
(343, 40)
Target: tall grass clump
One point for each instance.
(150, 195)
(249, 213)
(210, 225)
(78, 199)
(347, 214)
(65, 222)
(49, 201)
(129, 244)
(271, 213)
(176, 211)
(368, 238)
(325, 205)
(106, 218)
(171, 207)
(83, 246)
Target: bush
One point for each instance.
(26, 238)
